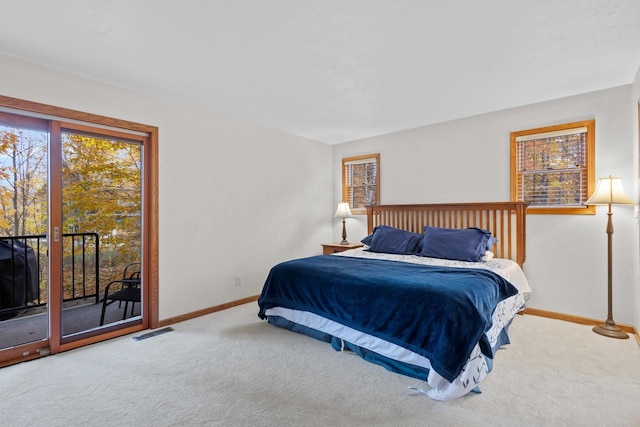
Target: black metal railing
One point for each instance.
(23, 270)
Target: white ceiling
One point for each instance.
(335, 70)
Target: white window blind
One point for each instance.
(552, 168)
(361, 177)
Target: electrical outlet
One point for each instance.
(238, 280)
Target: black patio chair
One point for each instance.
(125, 290)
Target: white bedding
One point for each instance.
(506, 268)
(476, 368)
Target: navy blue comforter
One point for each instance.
(437, 312)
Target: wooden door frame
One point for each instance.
(150, 211)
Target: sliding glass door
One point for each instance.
(101, 229)
(24, 304)
(73, 234)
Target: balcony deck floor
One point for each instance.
(29, 327)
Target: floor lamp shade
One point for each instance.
(343, 212)
(609, 192)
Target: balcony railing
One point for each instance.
(24, 270)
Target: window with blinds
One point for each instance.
(552, 168)
(361, 181)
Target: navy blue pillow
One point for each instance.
(392, 240)
(492, 241)
(367, 240)
(468, 244)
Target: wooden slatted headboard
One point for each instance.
(505, 220)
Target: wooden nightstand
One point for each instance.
(332, 248)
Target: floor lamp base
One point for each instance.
(609, 329)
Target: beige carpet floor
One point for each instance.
(232, 369)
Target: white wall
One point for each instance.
(234, 198)
(468, 160)
(635, 130)
(237, 198)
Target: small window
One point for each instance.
(361, 182)
(553, 168)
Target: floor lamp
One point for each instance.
(609, 192)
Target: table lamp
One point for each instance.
(343, 212)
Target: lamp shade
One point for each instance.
(609, 191)
(343, 210)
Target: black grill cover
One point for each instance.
(18, 274)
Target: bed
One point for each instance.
(431, 295)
